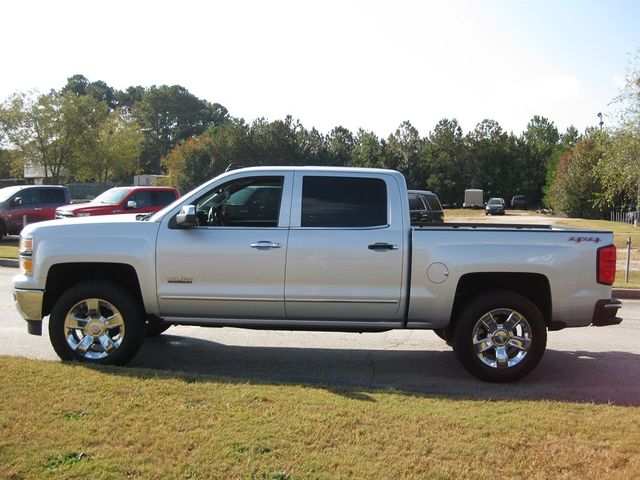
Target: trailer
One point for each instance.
(473, 198)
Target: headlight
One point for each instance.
(26, 254)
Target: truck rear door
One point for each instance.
(346, 247)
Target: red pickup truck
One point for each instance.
(116, 200)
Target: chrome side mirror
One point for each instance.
(187, 217)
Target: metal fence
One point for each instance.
(624, 216)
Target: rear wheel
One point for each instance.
(96, 322)
(500, 337)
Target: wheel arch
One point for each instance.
(65, 275)
(533, 286)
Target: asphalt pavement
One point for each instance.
(593, 365)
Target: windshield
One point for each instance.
(6, 192)
(495, 201)
(112, 196)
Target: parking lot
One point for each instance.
(600, 365)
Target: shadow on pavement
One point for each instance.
(603, 377)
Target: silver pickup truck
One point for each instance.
(311, 249)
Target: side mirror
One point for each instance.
(16, 201)
(131, 205)
(187, 217)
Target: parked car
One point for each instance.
(24, 204)
(116, 200)
(519, 202)
(424, 207)
(495, 206)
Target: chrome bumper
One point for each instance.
(29, 303)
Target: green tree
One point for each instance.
(203, 157)
(567, 141)
(403, 153)
(99, 90)
(341, 143)
(541, 138)
(169, 115)
(276, 143)
(313, 147)
(492, 155)
(368, 150)
(620, 164)
(48, 129)
(577, 186)
(110, 150)
(444, 155)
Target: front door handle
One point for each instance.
(265, 245)
(382, 246)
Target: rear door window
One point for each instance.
(142, 199)
(343, 202)
(53, 195)
(162, 197)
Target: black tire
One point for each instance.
(512, 349)
(154, 327)
(104, 313)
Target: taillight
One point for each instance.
(606, 265)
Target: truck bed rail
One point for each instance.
(501, 226)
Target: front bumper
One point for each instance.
(604, 313)
(29, 305)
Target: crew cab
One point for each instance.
(24, 204)
(300, 248)
(135, 199)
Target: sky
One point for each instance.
(358, 64)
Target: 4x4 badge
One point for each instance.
(585, 239)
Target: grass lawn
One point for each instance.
(8, 251)
(9, 247)
(69, 421)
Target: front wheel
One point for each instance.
(500, 337)
(96, 322)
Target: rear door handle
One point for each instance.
(265, 245)
(382, 246)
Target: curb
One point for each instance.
(8, 262)
(626, 294)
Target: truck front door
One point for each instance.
(232, 264)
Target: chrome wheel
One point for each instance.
(94, 329)
(502, 338)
